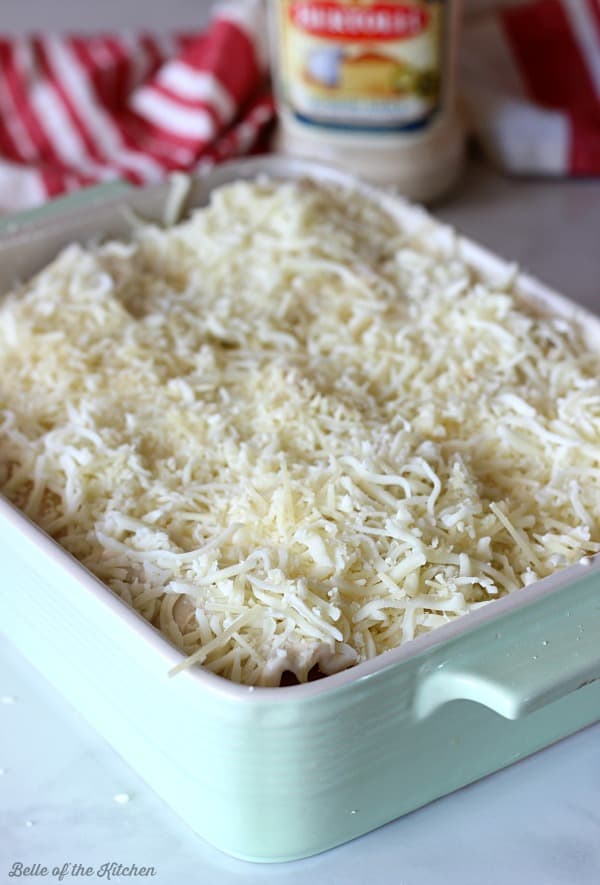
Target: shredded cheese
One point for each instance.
(290, 433)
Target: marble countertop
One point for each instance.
(535, 823)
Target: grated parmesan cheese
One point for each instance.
(290, 434)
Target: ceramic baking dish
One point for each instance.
(272, 774)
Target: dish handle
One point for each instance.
(525, 661)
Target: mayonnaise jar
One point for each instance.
(371, 87)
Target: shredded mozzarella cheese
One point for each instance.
(290, 434)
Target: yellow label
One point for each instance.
(362, 65)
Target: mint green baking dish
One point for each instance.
(275, 774)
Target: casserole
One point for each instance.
(276, 774)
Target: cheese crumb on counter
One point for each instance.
(289, 433)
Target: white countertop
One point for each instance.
(536, 823)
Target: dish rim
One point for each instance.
(477, 257)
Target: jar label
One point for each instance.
(359, 65)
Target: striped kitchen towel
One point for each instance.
(531, 82)
(81, 110)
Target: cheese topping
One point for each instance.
(289, 433)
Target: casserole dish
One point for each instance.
(272, 774)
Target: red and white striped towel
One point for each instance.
(80, 110)
(531, 82)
